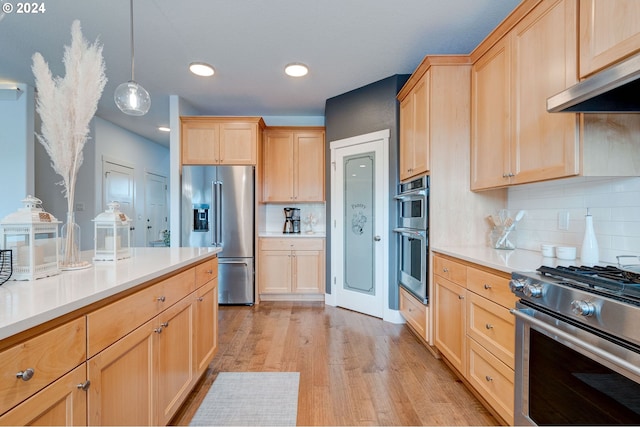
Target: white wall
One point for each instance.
(614, 204)
(16, 149)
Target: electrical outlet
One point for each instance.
(563, 220)
(79, 207)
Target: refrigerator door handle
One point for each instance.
(218, 202)
(223, 261)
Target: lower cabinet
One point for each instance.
(62, 403)
(291, 268)
(474, 330)
(415, 313)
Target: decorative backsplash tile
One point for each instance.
(274, 216)
(614, 204)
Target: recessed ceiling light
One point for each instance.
(296, 69)
(164, 129)
(201, 69)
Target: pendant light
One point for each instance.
(130, 97)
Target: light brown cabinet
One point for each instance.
(415, 313)
(291, 268)
(414, 128)
(609, 32)
(293, 165)
(474, 330)
(220, 140)
(514, 139)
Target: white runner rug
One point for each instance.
(250, 399)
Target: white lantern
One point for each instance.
(112, 236)
(32, 235)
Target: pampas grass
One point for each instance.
(66, 106)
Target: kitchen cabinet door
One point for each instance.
(609, 32)
(278, 158)
(450, 322)
(238, 143)
(63, 403)
(174, 344)
(206, 325)
(200, 143)
(414, 130)
(114, 397)
(309, 170)
(543, 145)
(275, 272)
(308, 272)
(491, 118)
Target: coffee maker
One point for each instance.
(291, 220)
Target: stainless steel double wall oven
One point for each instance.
(413, 235)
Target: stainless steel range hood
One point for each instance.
(613, 90)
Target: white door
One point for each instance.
(119, 187)
(359, 218)
(155, 206)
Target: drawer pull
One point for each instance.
(488, 326)
(26, 375)
(158, 330)
(165, 324)
(161, 299)
(487, 286)
(488, 378)
(85, 385)
(209, 271)
(445, 270)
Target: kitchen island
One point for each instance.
(118, 343)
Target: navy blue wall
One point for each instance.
(368, 109)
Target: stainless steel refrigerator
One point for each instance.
(218, 210)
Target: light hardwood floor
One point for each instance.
(354, 369)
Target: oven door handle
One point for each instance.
(411, 195)
(521, 314)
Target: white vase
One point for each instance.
(589, 254)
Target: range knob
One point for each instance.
(583, 308)
(516, 285)
(532, 290)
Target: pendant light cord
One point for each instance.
(132, 51)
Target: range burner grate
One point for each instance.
(609, 278)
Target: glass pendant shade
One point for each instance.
(132, 99)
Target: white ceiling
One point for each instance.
(346, 43)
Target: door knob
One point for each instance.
(377, 238)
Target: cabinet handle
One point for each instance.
(505, 175)
(161, 299)
(445, 270)
(488, 326)
(487, 286)
(165, 324)
(85, 385)
(200, 299)
(158, 330)
(488, 378)
(460, 296)
(209, 271)
(26, 375)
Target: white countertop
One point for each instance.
(502, 260)
(25, 304)
(287, 235)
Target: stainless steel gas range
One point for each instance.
(577, 346)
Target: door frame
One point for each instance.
(330, 299)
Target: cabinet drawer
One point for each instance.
(50, 355)
(108, 324)
(491, 286)
(206, 271)
(295, 244)
(450, 270)
(414, 313)
(492, 326)
(492, 379)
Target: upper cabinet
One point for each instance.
(609, 32)
(293, 164)
(220, 140)
(514, 139)
(414, 128)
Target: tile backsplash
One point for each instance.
(274, 216)
(614, 204)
